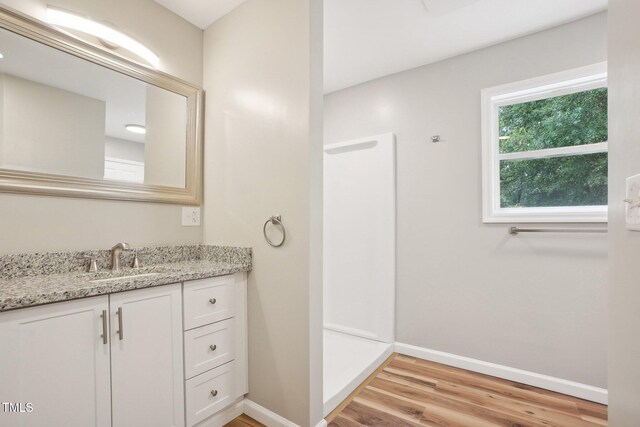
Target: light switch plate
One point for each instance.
(190, 216)
(632, 200)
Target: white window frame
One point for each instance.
(562, 83)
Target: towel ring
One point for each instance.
(275, 220)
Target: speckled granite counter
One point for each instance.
(32, 279)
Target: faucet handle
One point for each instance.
(92, 267)
(136, 261)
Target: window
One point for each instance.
(544, 148)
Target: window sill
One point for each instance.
(586, 214)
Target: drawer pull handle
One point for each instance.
(120, 330)
(104, 327)
(213, 347)
(214, 393)
(212, 300)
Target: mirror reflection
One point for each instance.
(62, 115)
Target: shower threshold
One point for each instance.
(348, 361)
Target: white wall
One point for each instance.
(263, 158)
(51, 130)
(624, 246)
(33, 223)
(123, 149)
(165, 151)
(531, 302)
(176, 41)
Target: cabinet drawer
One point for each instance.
(208, 347)
(200, 390)
(208, 300)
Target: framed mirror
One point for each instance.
(79, 121)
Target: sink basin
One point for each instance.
(132, 276)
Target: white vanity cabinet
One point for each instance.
(56, 358)
(53, 358)
(146, 357)
(126, 359)
(215, 345)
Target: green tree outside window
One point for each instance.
(562, 121)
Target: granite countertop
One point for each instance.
(33, 289)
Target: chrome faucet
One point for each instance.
(115, 255)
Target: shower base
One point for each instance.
(348, 361)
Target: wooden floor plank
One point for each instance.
(369, 416)
(504, 388)
(404, 409)
(505, 405)
(592, 410)
(519, 386)
(479, 414)
(250, 421)
(244, 421)
(341, 421)
(407, 391)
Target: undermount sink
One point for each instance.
(131, 276)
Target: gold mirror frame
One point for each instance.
(12, 181)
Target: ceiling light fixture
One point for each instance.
(136, 129)
(1, 55)
(75, 22)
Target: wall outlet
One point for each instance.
(632, 200)
(190, 216)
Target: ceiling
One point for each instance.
(201, 13)
(367, 39)
(124, 96)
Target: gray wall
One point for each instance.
(262, 75)
(68, 138)
(165, 152)
(531, 302)
(32, 223)
(624, 245)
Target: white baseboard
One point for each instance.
(253, 410)
(225, 416)
(265, 416)
(270, 418)
(571, 388)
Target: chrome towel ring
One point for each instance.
(275, 220)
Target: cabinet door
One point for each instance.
(53, 357)
(147, 380)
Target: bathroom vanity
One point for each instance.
(162, 345)
(85, 342)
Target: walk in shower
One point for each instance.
(359, 262)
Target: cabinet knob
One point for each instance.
(213, 347)
(214, 393)
(212, 300)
